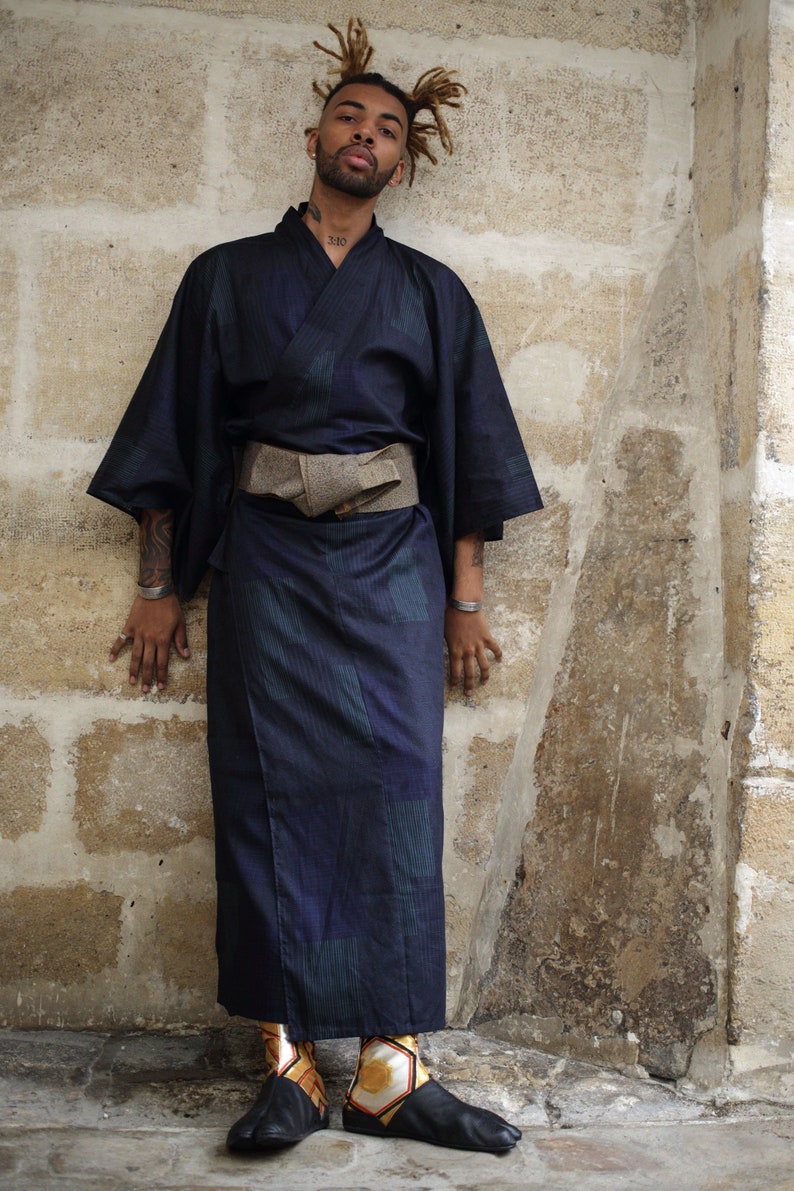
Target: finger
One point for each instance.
(162, 664)
(180, 641)
(494, 647)
(136, 658)
(484, 664)
(147, 667)
(454, 668)
(118, 645)
(468, 673)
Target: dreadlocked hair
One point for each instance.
(435, 89)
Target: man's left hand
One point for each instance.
(469, 641)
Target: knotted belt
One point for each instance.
(367, 483)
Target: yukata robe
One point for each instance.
(325, 667)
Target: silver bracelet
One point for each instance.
(155, 593)
(465, 605)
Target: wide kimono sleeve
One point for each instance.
(171, 450)
(479, 472)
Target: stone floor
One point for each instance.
(124, 1112)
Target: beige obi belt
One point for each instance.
(371, 482)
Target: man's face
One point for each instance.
(360, 141)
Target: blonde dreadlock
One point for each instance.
(353, 58)
(435, 89)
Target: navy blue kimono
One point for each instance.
(325, 667)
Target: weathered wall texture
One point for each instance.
(590, 832)
(762, 1003)
(608, 931)
(695, 743)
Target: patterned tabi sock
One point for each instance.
(293, 1060)
(392, 1095)
(387, 1071)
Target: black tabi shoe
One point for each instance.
(281, 1116)
(433, 1114)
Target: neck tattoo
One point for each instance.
(337, 241)
(315, 212)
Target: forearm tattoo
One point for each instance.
(157, 536)
(478, 550)
(315, 212)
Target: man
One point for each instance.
(355, 378)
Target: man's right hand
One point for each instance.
(149, 629)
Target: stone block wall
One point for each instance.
(761, 1022)
(589, 823)
(608, 929)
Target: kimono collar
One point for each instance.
(293, 228)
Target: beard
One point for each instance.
(361, 184)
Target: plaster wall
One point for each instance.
(588, 823)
